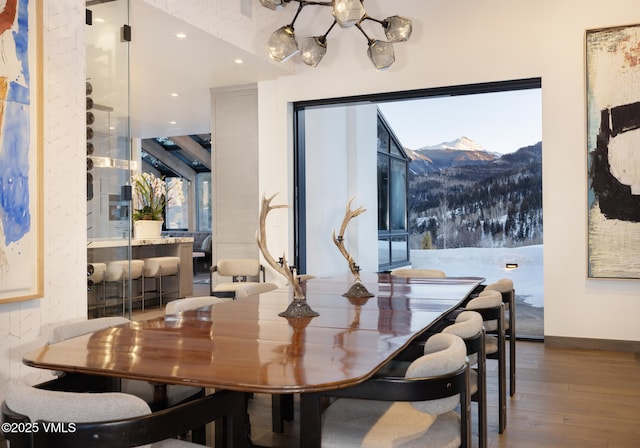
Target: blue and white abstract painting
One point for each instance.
(18, 152)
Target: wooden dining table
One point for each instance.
(244, 345)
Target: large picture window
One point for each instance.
(469, 202)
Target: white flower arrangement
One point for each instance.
(151, 195)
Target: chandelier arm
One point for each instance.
(295, 17)
(369, 40)
(324, 36)
(330, 3)
(373, 19)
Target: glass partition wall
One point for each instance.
(109, 160)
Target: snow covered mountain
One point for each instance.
(459, 144)
(462, 151)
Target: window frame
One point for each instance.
(299, 107)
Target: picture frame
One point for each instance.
(613, 147)
(21, 153)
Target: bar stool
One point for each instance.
(160, 267)
(96, 273)
(118, 272)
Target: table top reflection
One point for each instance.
(244, 345)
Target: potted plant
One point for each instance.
(150, 197)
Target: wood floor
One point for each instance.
(564, 399)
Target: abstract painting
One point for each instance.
(20, 150)
(613, 126)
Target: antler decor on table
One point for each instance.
(357, 289)
(299, 307)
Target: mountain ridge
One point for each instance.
(461, 152)
(463, 198)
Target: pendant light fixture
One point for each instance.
(282, 44)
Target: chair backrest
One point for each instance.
(74, 329)
(486, 300)
(468, 326)
(252, 289)
(238, 268)
(57, 406)
(191, 303)
(444, 354)
(418, 273)
(504, 286)
(105, 420)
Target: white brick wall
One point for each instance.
(24, 325)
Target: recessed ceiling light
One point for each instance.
(174, 94)
(181, 35)
(238, 61)
(172, 122)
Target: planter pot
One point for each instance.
(147, 229)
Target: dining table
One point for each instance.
(245, 345)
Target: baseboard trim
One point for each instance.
(592, 344)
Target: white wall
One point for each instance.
(472, 42)
(24, 325)
(340, 157)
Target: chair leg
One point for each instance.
(104, 299)
(502, 389)
(162, 292)
(512, 347)
(124, 297)
(482, 402)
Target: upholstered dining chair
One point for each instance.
(489, 305)
(505, 287)
(109, 419)
(418, 273)
(175, 393)
(417, 410)
(470, 327)
(252, 289)
(242, 272)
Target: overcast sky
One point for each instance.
(500, 122)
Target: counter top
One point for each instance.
(104, 242)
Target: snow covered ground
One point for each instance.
(490, 263)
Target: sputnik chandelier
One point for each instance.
(282, 44)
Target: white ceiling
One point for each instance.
(162, 64)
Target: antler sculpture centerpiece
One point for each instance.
(299, 307)
(357, 290)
